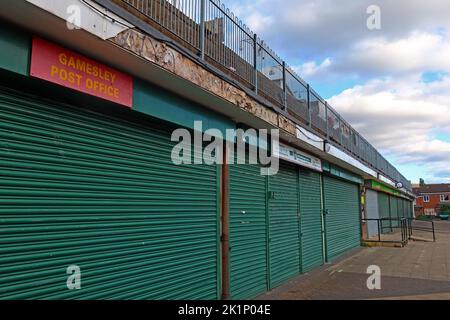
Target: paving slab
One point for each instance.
(421, 270)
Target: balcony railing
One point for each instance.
(212, 31)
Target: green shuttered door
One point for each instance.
(311, 220)
(78, 188)
(343, 218)
(284, 234)
(248, 233)
(266, 247)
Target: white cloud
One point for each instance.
(400, 116)
(415, 53)
(312, 69)
(258, 22)
(392, 106)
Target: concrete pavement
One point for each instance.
(421, 270)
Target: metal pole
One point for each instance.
(255, 61)
(410, 228)
(379, 232)
(309, 107)
(434, 234)
(284, 86)
(202, 28)
(402, 226)
(326, 119)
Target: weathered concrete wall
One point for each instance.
(173, 61)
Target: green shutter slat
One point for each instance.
(383, 207)
(343, 218)
(394, 210)
(400, 208)
(80, 188)
(311, 220)
(284, 231)
(248, 233)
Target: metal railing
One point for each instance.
(420, 229)
(213, 32)
(398, 230)
(387, 230)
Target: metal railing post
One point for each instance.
(202, 28)
(402, 224)
(434, 234)
(309, 105)
(284, 86)
(379, 230)
(410, 228)
(326, 119)
(255, 61)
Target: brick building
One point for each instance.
(430, 197)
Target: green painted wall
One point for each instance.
(15, 54)
(164, 105)
(15, 49)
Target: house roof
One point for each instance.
(432, 188)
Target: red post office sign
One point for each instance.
(66, 68)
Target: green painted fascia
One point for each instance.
(382, 187)
(15, 54)
(326, 166)
(341, 173)
(164, 105)
(15, 49)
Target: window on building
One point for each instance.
(426, 198)
(445, 198)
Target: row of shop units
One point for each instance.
(384, 209)
(99, 192)
(88, 185)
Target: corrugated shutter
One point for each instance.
(373, 212)
(410, 210)
(343, 219)
(284, 231)
(400, 208)
(248, 233)
(383, 207)
(79, 188)
(394, 211)
(311, 220)
(405, 208)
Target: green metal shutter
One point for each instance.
(248, 232)
(405, 208)
(79, 188)
(311, 220)
(342, 222)
(284, 230)
(393, 210)
(400, 208)
(383, 207)
(410, 210)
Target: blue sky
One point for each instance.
(392, 84)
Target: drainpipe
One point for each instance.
(225, 238)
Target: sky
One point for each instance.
(392, 84)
